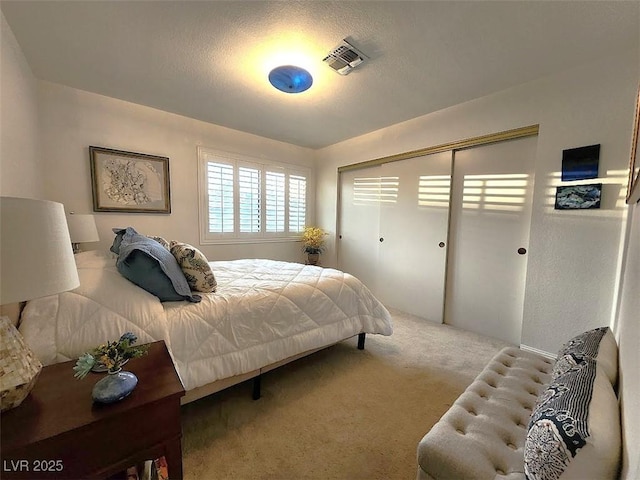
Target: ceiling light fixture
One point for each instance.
(290, 79)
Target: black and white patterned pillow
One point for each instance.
(599, 344)
(574, 430)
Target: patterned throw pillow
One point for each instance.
(195, 267)
(161, 241)
(574, 430)
(599, 344)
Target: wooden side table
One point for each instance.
(60, 433)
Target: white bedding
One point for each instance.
(263, 311)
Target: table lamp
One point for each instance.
(36, 260)
(82, 229)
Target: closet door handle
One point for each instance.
(381, 239)
(522, 251)
(441, 244)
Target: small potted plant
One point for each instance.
(313, 243)
(109, 357)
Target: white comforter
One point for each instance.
(263, 311)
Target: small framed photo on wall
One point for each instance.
(129, 182)
(575, 197)
(580, 163)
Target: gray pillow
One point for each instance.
(152, 267)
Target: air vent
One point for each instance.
(344, 58)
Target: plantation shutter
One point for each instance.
(249, 199)
(220, 197)
(274, 202)
(243, 199)
(297, 203)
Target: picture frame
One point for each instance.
(580, 163)
(578, 197)
(633, 190)
(129, 182)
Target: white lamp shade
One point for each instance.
(82, 228)
(36, 258)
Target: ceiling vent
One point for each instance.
(344, 58)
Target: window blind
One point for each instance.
(247, 199)
(220, 201)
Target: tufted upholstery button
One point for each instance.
(460, 431)
(512, 446)
(499, 472)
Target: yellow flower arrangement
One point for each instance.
(313, 239)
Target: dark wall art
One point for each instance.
(575, 197)
(580, 163)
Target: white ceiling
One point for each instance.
(209, 59)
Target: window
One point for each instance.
(247, 200)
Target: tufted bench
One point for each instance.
(483, 434)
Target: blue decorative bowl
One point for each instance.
(114, 387)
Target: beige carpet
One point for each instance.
(341, 413)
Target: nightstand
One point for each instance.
(60, 433)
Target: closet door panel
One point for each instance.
(414, 217)
(359, 225)
(491, 216)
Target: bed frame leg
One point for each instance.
(361, 337)
(256, 387)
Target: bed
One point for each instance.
(263, 314)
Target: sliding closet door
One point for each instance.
(490, 219)
(413, 235)
(360, 196)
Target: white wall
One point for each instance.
(628, 335)
(573, 259)
(72, 120)
(21, 172)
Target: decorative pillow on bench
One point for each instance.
(574, 430)
(598, 344)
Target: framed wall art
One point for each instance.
(633, 190)
(573, 197)
(129, 182)
(580, 163)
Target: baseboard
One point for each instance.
(539, 352)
